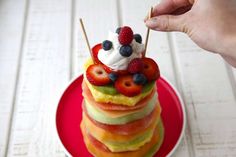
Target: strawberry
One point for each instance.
(150, 69)
(126, 86)
(96, 75)
(118, 72)
(95, 51)
(125, 36)
(135, 66)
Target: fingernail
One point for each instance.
(151, 21)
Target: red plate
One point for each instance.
(69, 114)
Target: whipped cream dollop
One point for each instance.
(113, 59)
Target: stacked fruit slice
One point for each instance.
(121, 111)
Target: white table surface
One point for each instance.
(42, 49)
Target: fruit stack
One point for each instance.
(121, 111)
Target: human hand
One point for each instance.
(211, 24)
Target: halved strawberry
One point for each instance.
(126, 86)
(95, 51)
(96, 75)
(118, 72)
(150, 69)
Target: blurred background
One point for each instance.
(42, 49)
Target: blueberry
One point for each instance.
(139, 79)
(113, 76)
(126, 50)
(106, 45)
(118, 30)
(138, 38)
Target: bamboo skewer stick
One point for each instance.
(86, 39)
(148, 31)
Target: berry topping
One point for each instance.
(96, 75)
(95, 51)
(126, 50)
(113, 77)
(125, 36)
(138, 38)
(139, 79)
(118, 30)
(135, 66)
(150, 69)
(106, 45)
(126, 86)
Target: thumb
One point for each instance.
(168, 23)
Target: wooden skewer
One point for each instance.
(148, 31)
(86, 39)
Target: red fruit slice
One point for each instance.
(118, 72)
(96, 75)
(126, 86)
(115, 107)
(95, 51)
(129, 128)
(150, 69)
(135, 66)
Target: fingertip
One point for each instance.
(146, 18)
(151, 22)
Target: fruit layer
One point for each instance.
(120, 143)
(99, 150)
(129, 128)
(100, 116)
(115, 108)
(106, 135)
(116, 99)
(132, 145)
(128, 114)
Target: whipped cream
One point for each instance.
(113, 59)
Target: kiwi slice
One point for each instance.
(148, 87)
(108, 89)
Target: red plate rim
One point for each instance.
(164, 79)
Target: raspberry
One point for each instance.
(125, 36)
(135, 66)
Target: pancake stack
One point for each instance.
(121, 111)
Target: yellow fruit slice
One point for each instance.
(115, 99)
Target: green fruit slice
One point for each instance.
(102, 118)
(108, 89)
(148, 87)
(155, 148)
